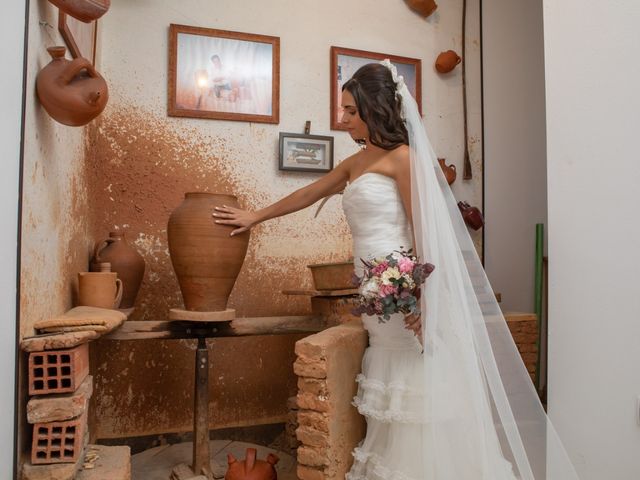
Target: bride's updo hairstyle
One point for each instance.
(374, 91)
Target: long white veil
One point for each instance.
(484, 418)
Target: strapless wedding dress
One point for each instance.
(391, 390)
(390, 394)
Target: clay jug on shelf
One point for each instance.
(206, 259)
(447, 61)
(84, 10)
(423, 7)
(471, 215)
(124, 260)
(71, 91)
(448, 170)
(250, 468)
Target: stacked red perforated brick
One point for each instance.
(58, 442)
(58, 371)
(58, 435)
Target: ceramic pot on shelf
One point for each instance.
(448, 170)
(250, 468)
(206, 259)
(447, 61)
(71, 91)
(423, 7)
(84, 10)
(125, 261)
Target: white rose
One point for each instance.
(388, 274)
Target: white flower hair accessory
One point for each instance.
(399, 79)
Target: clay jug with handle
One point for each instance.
(206, 259)
(471, 215)
(71, 91)
(448, 170)
(447, 61)
(250, 468)
(99, 289)
(84, 10)
(423, 7)
(124, 260)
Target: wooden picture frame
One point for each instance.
(223, 75)
(80, 37)
(345, 62)
(301, 152)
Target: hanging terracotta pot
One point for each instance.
(423, 7)
(448, 170)
(471, 215)
(205, 257)
(250, 468)
(84, 10)
(124, 260)
(71, 91)
(447, 61)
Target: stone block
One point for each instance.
(57, 341)
(310, 367)
(60, 407)
(312, 457)
(308, 473)
(312, 437)
(314, 386)
(58, 371)
(108, 463)
(316, 420)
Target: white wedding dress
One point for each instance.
(391, 387)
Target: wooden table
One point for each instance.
(179, 329)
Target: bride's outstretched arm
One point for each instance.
(332, 182)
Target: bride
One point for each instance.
(444, 393)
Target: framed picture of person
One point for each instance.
(223, 75)
(80, 37)
(345, 62)
(306, 153)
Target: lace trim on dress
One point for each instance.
(369, 466)
(393, 402)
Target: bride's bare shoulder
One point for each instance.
(401, 157)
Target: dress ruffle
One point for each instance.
(392, 402)
(370, 466)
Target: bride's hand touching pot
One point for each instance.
(236, 217)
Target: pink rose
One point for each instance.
(378, 269)
(405, 265)
(387, 290)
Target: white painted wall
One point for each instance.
(514, 135)
(11, 46)
(592, 77)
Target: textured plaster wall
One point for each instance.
(134, 164)
(55, 217)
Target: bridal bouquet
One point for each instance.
(391, 284)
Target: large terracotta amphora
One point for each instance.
(71, 91)
(84, 10)
(206, 259)
(250, 468)
(124, 260)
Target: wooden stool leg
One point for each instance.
(201, 463)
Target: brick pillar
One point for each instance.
(524, 329)
(329, 427)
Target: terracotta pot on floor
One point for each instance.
(206, 259)
(250, 468)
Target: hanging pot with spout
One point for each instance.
(84, 10)
(71, 91)
(448, 170)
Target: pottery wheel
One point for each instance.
(188, 315)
